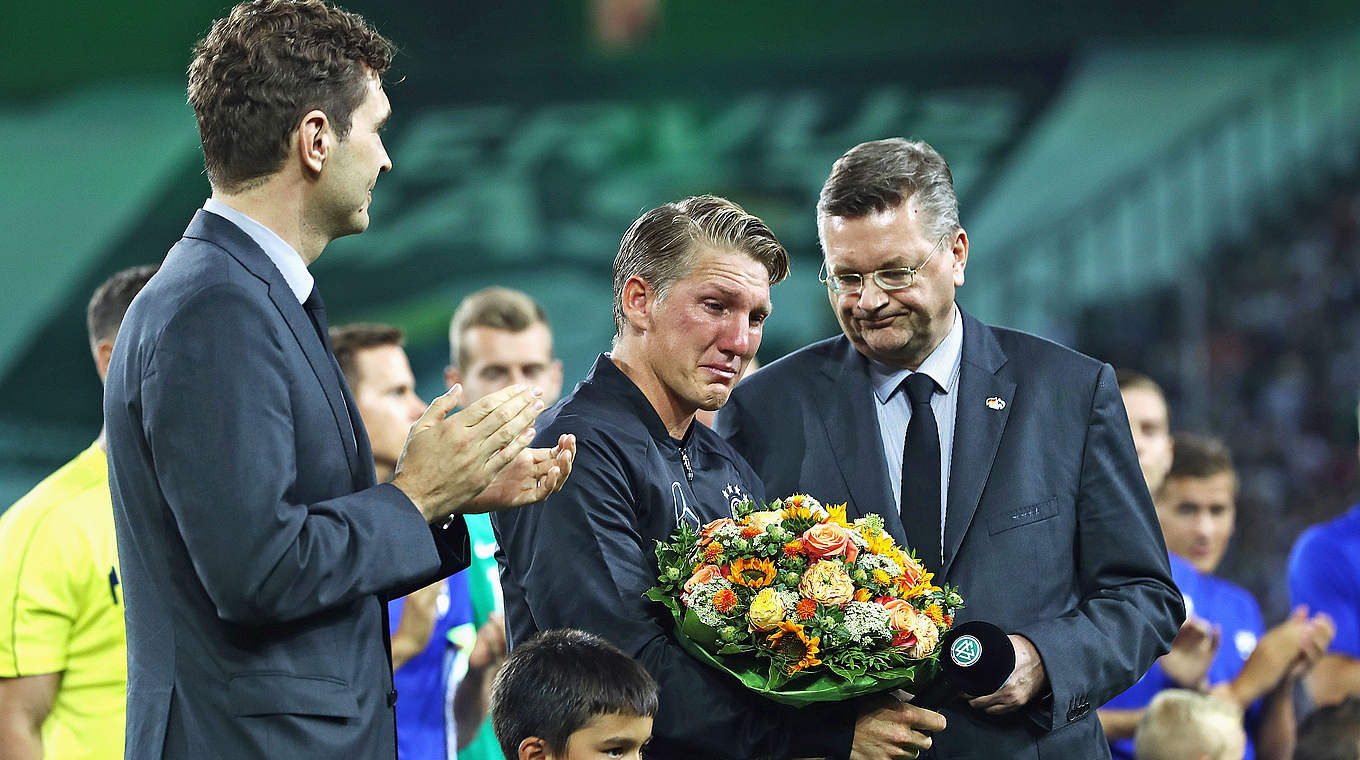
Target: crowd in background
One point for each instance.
(1279, 369)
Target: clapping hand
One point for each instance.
(477, 460)
(1192, 652)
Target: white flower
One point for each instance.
(868, 622)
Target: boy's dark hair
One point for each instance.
(1330, 733)
(104, 314)
(553, 684)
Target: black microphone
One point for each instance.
(975, 658)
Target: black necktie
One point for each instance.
(921, 474)
(316, 310)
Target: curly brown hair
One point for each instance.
(263, 67)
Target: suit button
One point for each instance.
(392, 698)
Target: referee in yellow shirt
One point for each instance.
(63, 651)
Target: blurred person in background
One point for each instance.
(1003, 459)
(1193, 648)
(1331, 732)
(1150, 422)
(497, 337)
(63, 651)
(1186, 725)
(691, 294)
(1237, 658)
(1324, 575)
(433, 633)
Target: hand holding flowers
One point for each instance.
(801, 604)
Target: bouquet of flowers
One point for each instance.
(802, 605)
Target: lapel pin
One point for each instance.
(996, 404)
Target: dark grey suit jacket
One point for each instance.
(256, 550)
(1049, 529)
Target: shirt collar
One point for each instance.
(607, 376)
(942, 365)
(285, 258)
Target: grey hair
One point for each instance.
(660, 246)
(873, 177)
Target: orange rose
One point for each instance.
(703, 575)
(829, 540)
(903, 614)
(914, 629)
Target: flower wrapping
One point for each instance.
(802, 605)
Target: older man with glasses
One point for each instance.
(1003, 459)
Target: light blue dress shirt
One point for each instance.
(288, 261)
(894, 409)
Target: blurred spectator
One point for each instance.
(63, 648)
(1331, 733)
(1324, 575)
(497, 337)
(1253, 668)
(1187, 725)
(1275, 372)
(1150, 422)
(425, 658)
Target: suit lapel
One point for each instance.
(233, 240)
(851, 424)
(978, 425)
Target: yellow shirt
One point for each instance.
(61, 608)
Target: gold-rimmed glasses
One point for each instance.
(892, 278)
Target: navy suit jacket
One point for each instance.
(256, 549)
(1049, 529)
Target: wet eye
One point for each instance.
(714, 307)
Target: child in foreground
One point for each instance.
(570, 695)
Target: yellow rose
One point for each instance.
(827, 583)
(767, 610)
(763, 520)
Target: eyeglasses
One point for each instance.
(895, 278)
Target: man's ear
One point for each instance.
(314, 141)
(534, 748)
(639, 299)
(959, 251)
(103, 353)
(452, 377)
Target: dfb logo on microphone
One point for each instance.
(966, 651)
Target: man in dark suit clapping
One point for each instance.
(1003, 459)
(257, 548)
